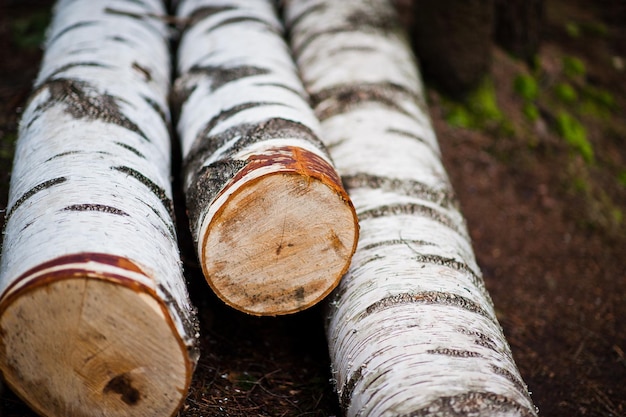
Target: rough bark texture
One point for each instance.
(274, 228)
(411, 329)
(517, 27)
(452, 40)
(94, 312)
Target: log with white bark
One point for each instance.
(411, 329)
(95, 318)
(273, 226)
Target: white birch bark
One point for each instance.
(411, 329)
(94, 313)
(274, 228)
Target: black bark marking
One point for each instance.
(473, 403)
(373, 18)
(509, 376)
(139, 2)
(228, 113)
(122, 385)
(455, 353)
(452, 264)
(132, 15)
(343, 98)
(154, 188)
(69, 29)
(412, 209)
(82, 51)
(142, 17)
(298, 93)
(391, 242)
(81, 100)
(351, 48)
(189, 319)
(348, 388)
(158, 109)
(371, 259)
(428, 298)
(169, 232)
(205, 186)
(202, 13)
(130, 148)
(316, 8)
(62, 154)
(28, 194)
(71, 65)
(249, 133)
(247, 19)
(482, 339)
(219, 77)
(370, 18)
(313, 36)
(96, 207)
(121, 39)
(430, 259)
(444, 197)
(144, 71)
(412, 135)
(27, 225)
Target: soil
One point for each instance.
(547, 225)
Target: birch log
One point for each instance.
(411, 329)
(94, 313)
(274, 228)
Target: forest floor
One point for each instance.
(538, 160)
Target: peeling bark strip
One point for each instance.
(411, 329)
(90, 263)
(274, 228)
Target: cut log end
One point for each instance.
(279, 244)
(86, 346)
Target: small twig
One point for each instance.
(606, 402)
(620, 353)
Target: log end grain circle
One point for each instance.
(280, 243)
(83, 344)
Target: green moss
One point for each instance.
(575, 135)
(29, 32)
(565, 93)
(579, 29)
(530, 112)
(482, 102)
(478, 110)
(459, 116)
(580, 185)
(621, 178)
(572, 29)
(617, 215)
(594, 29)
(7, 146)
(573, 67)
(526, 87)
(597, 102)
(599, 96)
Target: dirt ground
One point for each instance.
(546, 219)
